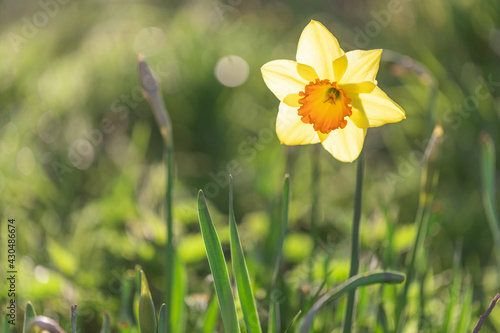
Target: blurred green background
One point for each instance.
(81, 166)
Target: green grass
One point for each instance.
(96, 189)
(218, 268)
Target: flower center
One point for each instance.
(324, 105)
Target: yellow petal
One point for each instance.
(361, 66)
(322, 136)
(318, 48)
(291, 130)
(292, 100)
(378, 109)
(345, 144)
(339, 67)
(358, 88)
(359, 118)
(284, 77)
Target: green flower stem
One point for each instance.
(315, 188)
(285, 204)
(169, 255)
(349, 311)
(152, 93)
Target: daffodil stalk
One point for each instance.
(315, 187)
(428, 183)
(315, 195)
(349, 311)
(152, 93)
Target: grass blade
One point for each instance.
(349, 285)
(488, 187)
(126, 317)
(211, 316)
(162, 319)
(243, 284)
(73, 318)
(381, 314)
(43, 324)
(465, 313)
(29, 314)
(147, 316)
(453, 301)
(293, 321)
(170, 251)
(274, 310)
(273, 324)
(5, 324)
(218, 267)
(177, 311)
(137, 294)
(106, 324)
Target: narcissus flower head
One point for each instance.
(329, 96)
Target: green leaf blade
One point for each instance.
(177, 311)
(218, 267)
(106, 324)
(28, 315)
(240, 269)
(465, 313)
(488, 182)
(349, 285)
(147, 316)
(211, 317)
(162, 319)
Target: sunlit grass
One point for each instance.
(82, 169)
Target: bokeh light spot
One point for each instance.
(10, 138)
(49, 127)
(51, 222)
(495, 40)
(149, 41)
(2, 182)
(232, 71)
(25, 161)
(42, 274)
(81, 154)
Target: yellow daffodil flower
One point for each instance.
(329, 96)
